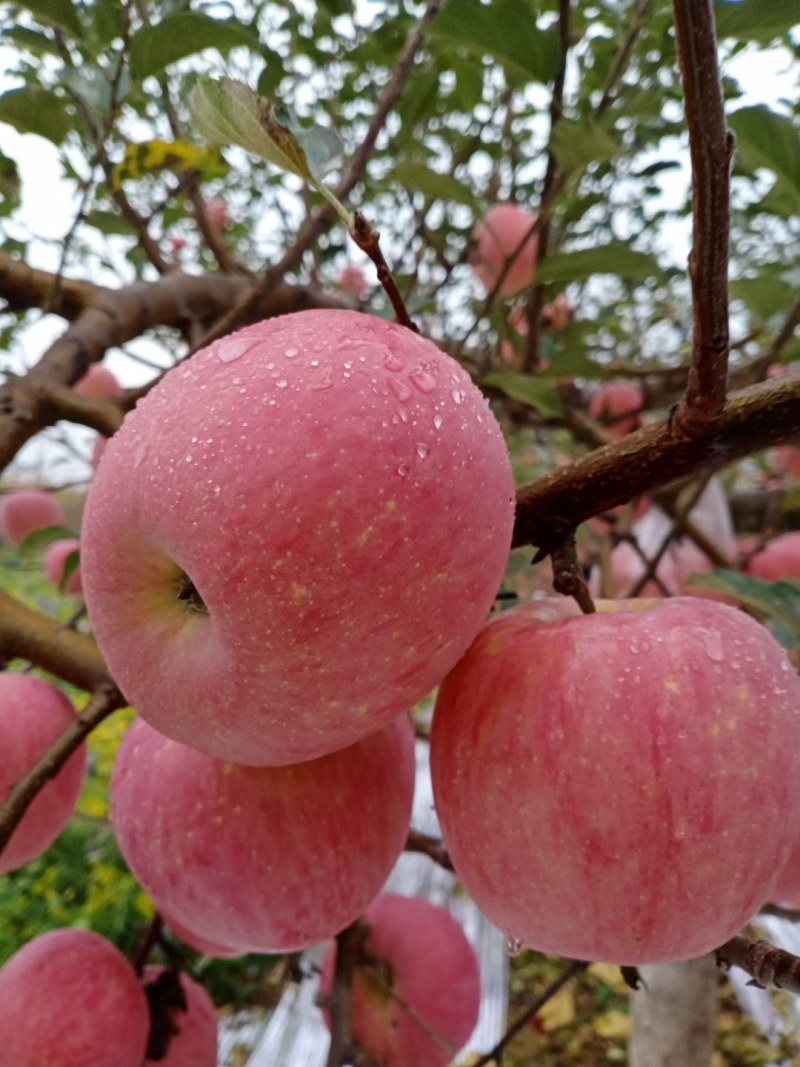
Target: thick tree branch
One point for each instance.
(711, 146)
(551, 507)
(29, 635)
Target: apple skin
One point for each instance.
(71, 999)
(26, 510)
(262, 859)
(198, 943)
(497, 237)
(619, 786)
(55, 559)
(341, 498)
(779, 558)
(612, 400)
(33, 713)
(432, 967)
(98, 381)
(195, 1044)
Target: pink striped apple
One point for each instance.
(193, 1039)
(262, 859)
(70, 999)
(295, 535)
(501, 238)
(416, 995)
(620, 786)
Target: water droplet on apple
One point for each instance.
(403, 470)
(422, 451)
(712, 644)
(281, 383)
(393, 362)
(457, 395)
(400, 388)
(290, 353)
(437, 422)
(513, 946)
(424, 380)
(231, 348)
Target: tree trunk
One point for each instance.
(674, 1015)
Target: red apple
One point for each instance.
(70, 999)
(295, 535)
(352, 281)
(26, 510)
(778, 559)
(421, 979)
(198, 943)
(33, 713)
(194, 1042)
(786, 891)
(217, 214)
(498, 238)
(98, 381)
(55, 559)
(617, 405)
(620, 786)
(262, 859)
(98, 448)
(787, 460)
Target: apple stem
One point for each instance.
(568, 578)
(368, 240)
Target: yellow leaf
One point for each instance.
(558, 1011)
(151, 157)
(609, 974)
(612, 1024)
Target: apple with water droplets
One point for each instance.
(262, 859)
(416, 990)
(295, 535)
(33, 713)
(69, 998)
(620, 786)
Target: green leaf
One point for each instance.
(577, 144)
(71, 564)
(765, 295)
(229, 112)
(177, 36)
(767, 139)
(503, 29)
(614, 258)
(61, 13)
(756, 20)
(538, 393)
(778, 601)
(110, 222)
(38, 540)
(9, 185)
(419, 178)
(35, 110)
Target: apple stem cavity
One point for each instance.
(187, 593)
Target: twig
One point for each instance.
(368, 240)
(568, 576)
(569, 972)
(105, 699)
(316, 225)
(711, 147)
(349, 944)
(766, 964)
(430, 847)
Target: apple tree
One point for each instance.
(344, 327)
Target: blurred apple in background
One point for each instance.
(617, 405)
(55, 559)
(498, 237)
(25, 510)
(422, 979)
(779, 558)
(352, 281)
(33, 713)
(98, 381)
(194, 1040)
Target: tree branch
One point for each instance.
(711, 146)
(766, 964)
